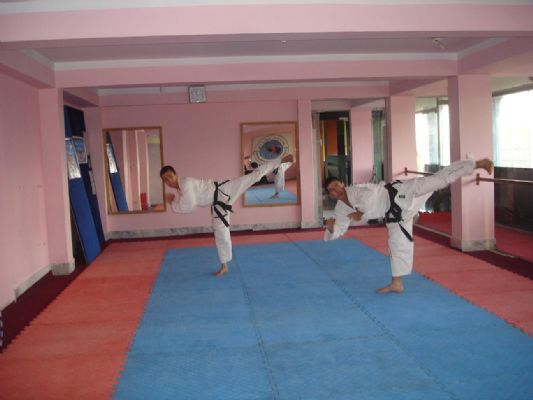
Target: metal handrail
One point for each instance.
(406, 171)
(506, 181)
(478, 178)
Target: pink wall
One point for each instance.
(401, 138)
(306, 160)
(57, 202)
(470, 100)
(200, 140)
(23, 237)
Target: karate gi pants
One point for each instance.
(417, 190)
(234, 189)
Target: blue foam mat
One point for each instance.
(257, 195)
(302, 321)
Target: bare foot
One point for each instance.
(288, 158)
(274, 196)
(396, 286)
(485, 164)
(223, 269)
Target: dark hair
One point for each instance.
(329, 180)
(165, 169)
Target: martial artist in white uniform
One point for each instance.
(192, 192)
(364, 202)
(279, 178)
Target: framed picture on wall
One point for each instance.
(262, 142)
(81, 149)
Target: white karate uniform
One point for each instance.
(373, 201)
(279, 178)
(195, 192)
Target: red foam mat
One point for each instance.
(76, 347)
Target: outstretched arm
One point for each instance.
(179, 204)
(337, 227)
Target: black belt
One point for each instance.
(218, 205)
(394, 214)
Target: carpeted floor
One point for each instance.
(508, 240)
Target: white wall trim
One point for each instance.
(327, 58)
(473, 245)
(63, 268)
(163, 233)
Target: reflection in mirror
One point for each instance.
(133, 161)
(263, 141)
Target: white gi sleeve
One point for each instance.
(342, 221)
(181, 208)
(341, 226)
(185, 200)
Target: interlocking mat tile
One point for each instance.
(301, 320)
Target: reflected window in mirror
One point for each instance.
(264, 141)
(133, 158)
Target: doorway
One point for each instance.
(336, 152)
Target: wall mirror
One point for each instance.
(133, 158)
(263, 141)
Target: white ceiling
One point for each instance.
(92, 53)
(15, 6)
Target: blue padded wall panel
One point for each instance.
(83, 202)
(84, 219)
(116, 183)
(93, 202)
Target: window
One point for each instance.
(513, 130)
(432, 133)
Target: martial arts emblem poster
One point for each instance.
(265, 148)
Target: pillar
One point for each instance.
(57, 204)
(401, 137)
(306, 161)
(470, 101)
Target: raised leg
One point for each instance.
(444, 177)
(485, 164)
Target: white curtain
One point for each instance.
(433, 137)
(444, 134)
(513, 130)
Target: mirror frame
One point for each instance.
(109, 189)
(294, 131)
